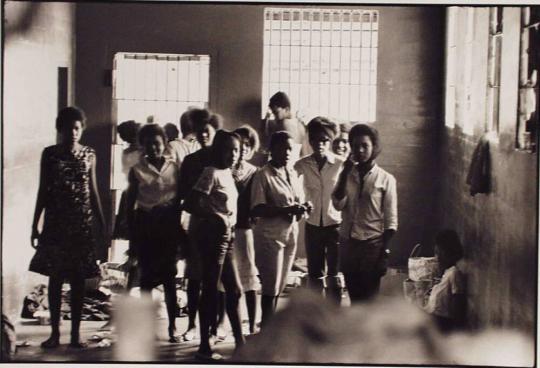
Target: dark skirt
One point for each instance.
(155, 243)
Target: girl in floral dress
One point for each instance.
(68, 196)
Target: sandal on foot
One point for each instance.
(208, 357)
(51, 343)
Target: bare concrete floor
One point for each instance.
(34, 334)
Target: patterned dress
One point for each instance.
(67, 245)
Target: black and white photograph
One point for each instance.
(310, 183)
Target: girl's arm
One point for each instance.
(266, 210)
(94, 195)
(339, 192)
(195, 204)
(260, 204)
(40, 202)
(131, 197)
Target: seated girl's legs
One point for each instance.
(77, 296)
(233, 288)
(55, 300)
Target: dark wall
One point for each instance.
(409, 81)
(499, 229)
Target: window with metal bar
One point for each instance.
(159, 87)
(451, 66)
(324, 59)
(529, 67)
(494, 67)
(459, 68)
(466, 120)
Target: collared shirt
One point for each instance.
(368, 214)
(222, 195)
(280, 188)
(318, 187)
(155, 187)
(276, 187)
(180, 148)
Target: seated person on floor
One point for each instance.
(447, 298)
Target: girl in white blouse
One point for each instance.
(277, 199)
(153, 210)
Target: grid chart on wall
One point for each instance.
(159, 87)
(324, 59)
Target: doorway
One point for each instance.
(151, 88)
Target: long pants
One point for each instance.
(217, 260)
(322, 250)
(362, 286)
(361, 265)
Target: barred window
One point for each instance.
(494, 67)
(529, 67)
(459, 68)
(451, 66)
(159, 87)
(324, 59)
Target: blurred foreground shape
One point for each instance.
(386, 331)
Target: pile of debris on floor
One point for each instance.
(99, 297)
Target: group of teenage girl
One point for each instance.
(238, 223)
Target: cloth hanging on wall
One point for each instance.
(479, 175)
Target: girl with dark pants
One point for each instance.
(214, 200)
(320, 172)
(367, 197)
